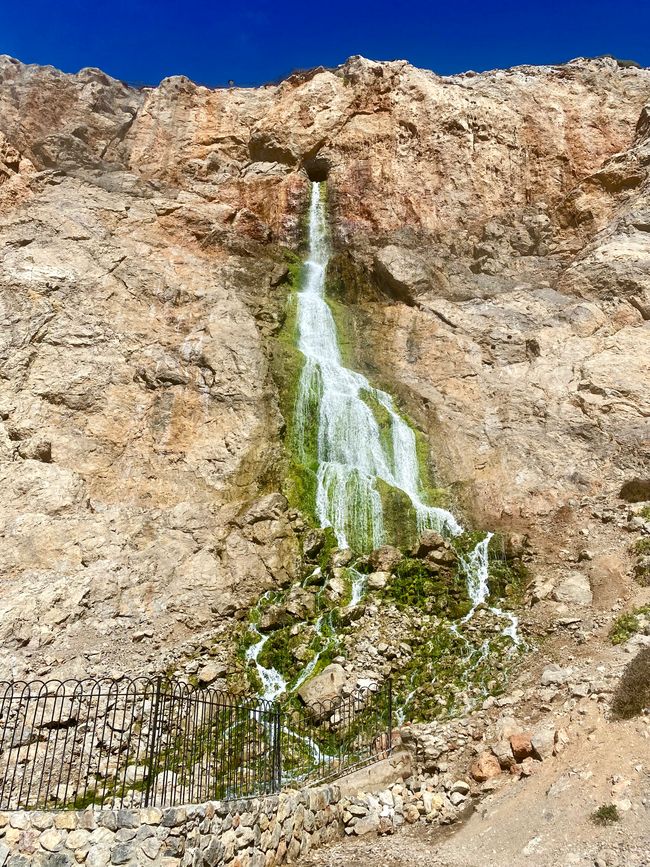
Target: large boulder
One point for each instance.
(385, 559)
(574, 589)
(301, 603)
(404, 274)
(274, 617)
(325, 687)
(521, 745)
(430, 540)
(377, 580)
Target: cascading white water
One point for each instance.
(334, 416)
(325, 629)
(357, 587)
(273, 684)
(309, 669)
(351, 456)
(476, 567)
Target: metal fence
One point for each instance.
(155, 741)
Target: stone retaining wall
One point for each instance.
(261, 832)
(255, 833)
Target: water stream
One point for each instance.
(359, 445)
(308, 670)
(477, 569)
(352, 454)
(273, 684)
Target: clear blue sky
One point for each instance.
(258, 41)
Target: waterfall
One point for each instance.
(356, 440)
(352, 455)
(357, 587)
(309, 669)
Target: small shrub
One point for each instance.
(642, 575)
(624, 627)
(642, 546)
(627, 625)
(606, 814)
(632, 695)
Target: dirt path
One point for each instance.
(414, 846)
(420, 846)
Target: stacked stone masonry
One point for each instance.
(254, 833)
(264, 832)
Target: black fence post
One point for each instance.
(390, 714)
(277, 781)
(151, 750)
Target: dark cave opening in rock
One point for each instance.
(317, 168)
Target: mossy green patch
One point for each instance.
(606, 814)
(400, 519)
(509, 576)
(433, 495)
(278, 652)
(448, 668)
(287, 364)
(383, 419)
(347, 281)
(345, 331)
(415, 585)
(329, 545)
(642, 546)
(627, 625)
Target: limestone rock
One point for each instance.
(274, 617)
(411, 814)
(554, 675)
(503, 752)
(210, 672)
(300, 603)
(312, 542)
(377, 580)
(385, 559)
(543, 741)
(51, 840)
(428, 542)
(325, 687)
(574, 589)
(367, 824)
(486, 767)
(404, 273)
(270, 507)
(521, 745)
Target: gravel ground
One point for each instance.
(420, 846)
(413, 846)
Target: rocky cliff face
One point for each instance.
(493, 243)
